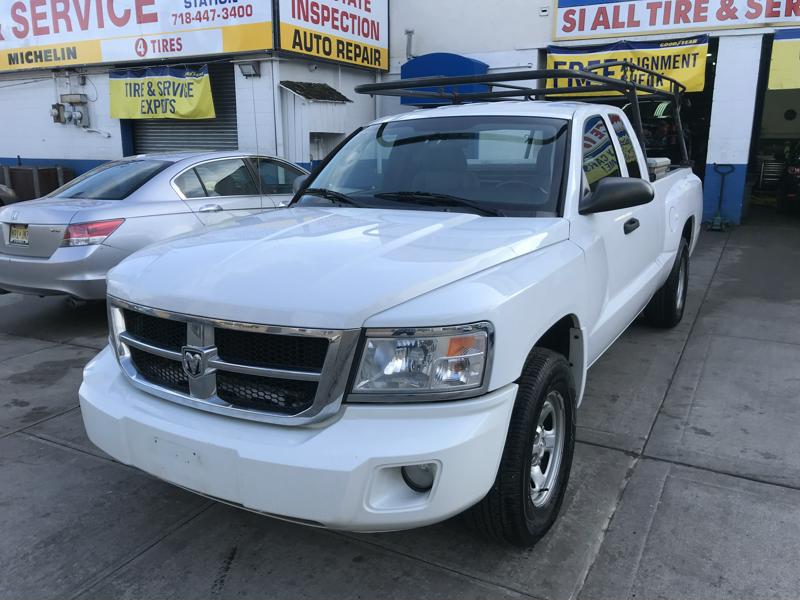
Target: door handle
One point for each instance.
(210, 208)
(631, 225)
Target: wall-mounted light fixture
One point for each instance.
(250, 68)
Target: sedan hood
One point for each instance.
(50, 211)
(323, 268)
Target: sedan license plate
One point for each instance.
(18, 235)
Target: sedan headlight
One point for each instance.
(417, 361)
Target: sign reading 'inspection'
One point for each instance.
(354, 32)
(161, 93)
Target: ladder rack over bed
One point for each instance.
(499, 86)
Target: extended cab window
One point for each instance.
(229, 177)
(493, 165)
(626, 143)
(599, 157)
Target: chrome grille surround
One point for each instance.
(331, 379)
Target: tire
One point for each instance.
(514, 511)
(666, 307)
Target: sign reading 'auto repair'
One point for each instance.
(354, 32)
(56, 33)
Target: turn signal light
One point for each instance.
(90, 234)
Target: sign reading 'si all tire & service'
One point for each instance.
(353, 32)
(57, 33)
(588, 19)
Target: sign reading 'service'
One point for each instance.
(354, 32)
(57, 33)
(586, 19)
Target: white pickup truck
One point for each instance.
(411, 338)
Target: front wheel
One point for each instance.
(667, 305)
(532, 477)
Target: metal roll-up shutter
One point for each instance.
(175, 135)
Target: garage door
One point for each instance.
(174, 135)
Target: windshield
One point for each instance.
(111, 181)
(500, 166)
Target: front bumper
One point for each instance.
(79, 271)
(342, 474)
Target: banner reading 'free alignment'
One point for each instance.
(683, 59)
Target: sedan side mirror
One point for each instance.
(299, 182)
(613, 193)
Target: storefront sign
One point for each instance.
(587, 19)
(56, 33)
(354, 32)
(161, 93)
(684, 60)
(784, 72)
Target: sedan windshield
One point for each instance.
(493, 166)
(111, 181)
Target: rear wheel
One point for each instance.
(667, 305)
(533, 473)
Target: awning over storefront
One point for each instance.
(442, 64)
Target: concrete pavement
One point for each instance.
(686, 481)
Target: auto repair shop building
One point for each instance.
(740, 60)
(83, 82)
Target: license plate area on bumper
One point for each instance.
(18, 235)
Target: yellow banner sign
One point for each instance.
(684, 60)
(353, 32)
(784, 72)
(161, 93)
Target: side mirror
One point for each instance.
(614, 193)
(299, 182)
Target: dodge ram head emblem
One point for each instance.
(194, 362)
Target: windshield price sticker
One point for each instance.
(45, 34)
(587, 19)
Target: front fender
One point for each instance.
(522, 298)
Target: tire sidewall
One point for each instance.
(682, 259)
(539, 519)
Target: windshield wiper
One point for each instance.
(433, 199)
(335, 197)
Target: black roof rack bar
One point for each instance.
(435, 88)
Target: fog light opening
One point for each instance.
(419, 477)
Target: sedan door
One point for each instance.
(220, 190)
(276, 178)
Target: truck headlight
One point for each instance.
(443, 360)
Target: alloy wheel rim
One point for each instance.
(548, 449)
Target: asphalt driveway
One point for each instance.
(686, 481)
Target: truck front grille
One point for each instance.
(265, 393)
(170, 335)
(160, 371)
(270, 350)
(258, 372)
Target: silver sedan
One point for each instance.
(66, 242)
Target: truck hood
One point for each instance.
(323, 268)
